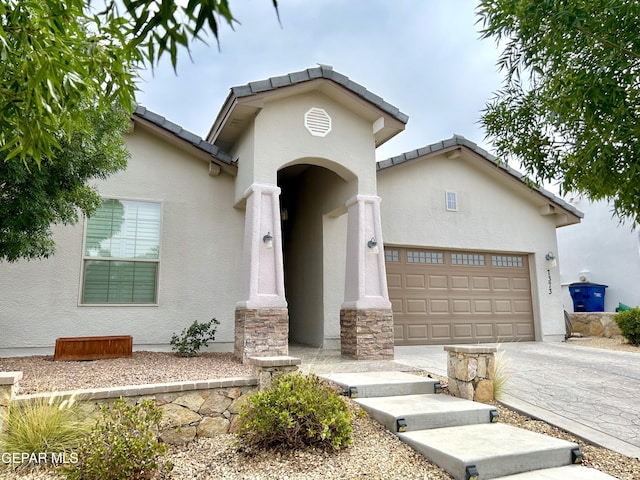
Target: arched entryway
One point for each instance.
(312, 200)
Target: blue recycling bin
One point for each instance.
(587, 297)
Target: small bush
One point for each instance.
(296, 411)
(629, 323)
(123, 445)
(191, 339)
(42, 425)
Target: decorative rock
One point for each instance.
(234, 393)
(482, 366)
(192, 401)
(235, 424)
(237, 404)
(212, 426)
(484, 391)
(216, 403)
(179, 435)
(465, 389)
(176, 415)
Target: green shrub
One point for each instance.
(296, 411)
(123, 444)
(191, 339)
(629, 323)
(42, 425)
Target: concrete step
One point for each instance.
(491, 450)
(407, 413)
(382, 384)
(570, 472)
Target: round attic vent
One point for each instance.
(318, 122)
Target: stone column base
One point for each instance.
(366, 334)
(268, 368)
(261, 332)
(471, 371)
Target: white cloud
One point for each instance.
(425, 57)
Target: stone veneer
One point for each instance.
(189, 409)
(471, 370)
(366, 334)
(261, 332)
(595, 324)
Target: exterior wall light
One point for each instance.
(373, 245)
(268, 240)
(551, 260)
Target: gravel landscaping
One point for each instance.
(375, 453)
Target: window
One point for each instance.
(506, 261)
(421, 256)
(391, 255)
(466, 259)
(122, 253)
(452, 201)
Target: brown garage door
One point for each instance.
(441, 296)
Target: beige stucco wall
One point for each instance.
(278, 138)
(198, 278)
(494, 213)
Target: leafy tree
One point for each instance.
(64, 64)
(570, 105)
(32, 201)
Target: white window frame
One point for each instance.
(448, 196)
(158, 261)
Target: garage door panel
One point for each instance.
(463, 331)
(436, 302)
(417, 332)
(414, 281)
(522, 306)
(417, 305)
(502, 306)
(524, 329)
(394, 280)
(441, 331)
(461, 306)
(520, 284)
(482, 306)
(481, 283)
(438, 306)
(438, 282)
(459, 282)
(398, 332)
(504, 330)
(484, 330)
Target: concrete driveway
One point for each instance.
(592, 393)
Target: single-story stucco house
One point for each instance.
(281, 225)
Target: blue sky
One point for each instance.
(423, 56)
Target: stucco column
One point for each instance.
(262, 320)
(366, 321)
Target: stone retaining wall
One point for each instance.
(189, 409)
(594, 324)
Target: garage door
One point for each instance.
(441, 296)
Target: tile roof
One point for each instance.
(323, 71)
(459, 140)
(183, 134)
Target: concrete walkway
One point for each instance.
(592, 393)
